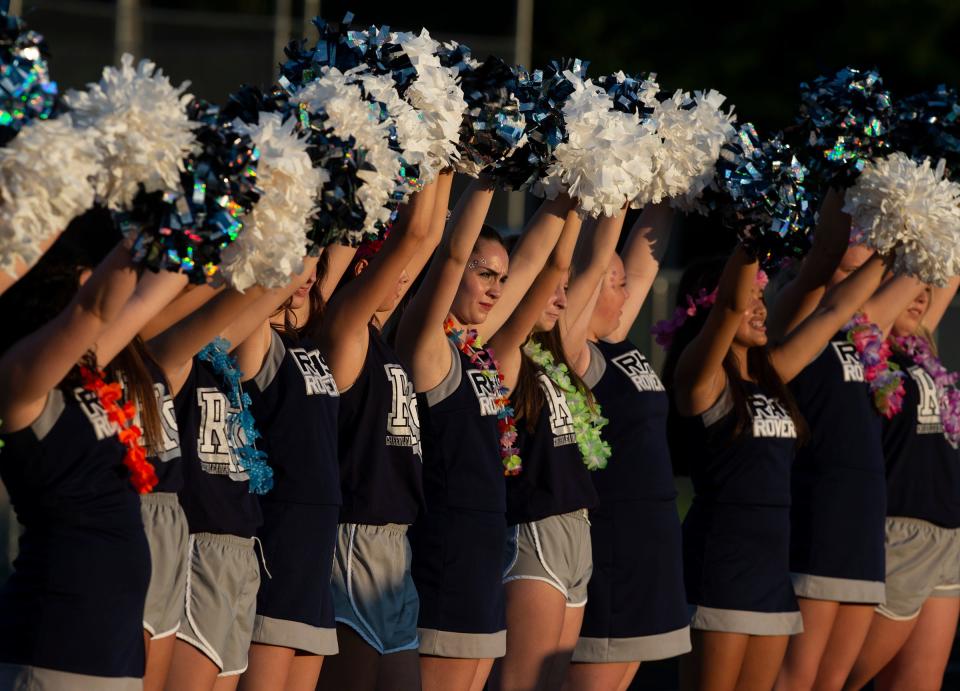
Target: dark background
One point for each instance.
(756, 53)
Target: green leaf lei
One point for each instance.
(587, 420)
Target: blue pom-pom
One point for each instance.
(26, 90)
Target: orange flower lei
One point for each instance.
(122, 413)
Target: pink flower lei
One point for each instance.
(883, 377)
(664, 330)
(947, 392)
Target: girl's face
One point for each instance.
(752, 331)
(613, 293)
(853, 259)
(555, 306)
(482, 282)
(909, 320)
(300, 296)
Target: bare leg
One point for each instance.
(399, 672)
(159, 655)
(884, 640)
(921, 662)
(227, 683)
(190, 669)
(714, 664)
(632, 669)
(481, 675)
(598, 676)
(267, 669)
(535, 617)
(762, 662)
(804, 651)
(304, 672)
(569, 633)
(355, 668)
(447, 674)
(849, 632)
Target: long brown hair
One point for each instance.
(705, 275)
(527, 397)
(130, 366)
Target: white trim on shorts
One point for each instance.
(376, 644)
(202, 645)
(546, 567)
(164, 634)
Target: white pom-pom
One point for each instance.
(349, 115)
(413, 135)
(140, 126)
(436, 94)
(911, 209)
(693, 130)
(608, 156)
(274, 237)
(45, 182)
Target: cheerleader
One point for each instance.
(548, 552)
(74, 607)
(458, 542)
(838, 489)
(222, 515)
(911, 635)
(379, 455)
(294, 401)
(637, 609)
(737, 427)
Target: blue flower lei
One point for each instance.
(250, 458)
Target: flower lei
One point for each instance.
(947, 392)
(143, 476)
(469, 343)
(587, 420)
(249, 457)
(884, 378)
(664, 329)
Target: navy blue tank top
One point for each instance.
(295, 402)
(216, 491)
(82, 541)
(381, 466)
(751, 469)
(923, 469)
(554, 479)
(835, 401)
(461, 441)
(633, 399)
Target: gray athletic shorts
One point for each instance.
(373, 592)
(167, 534)
(27, 678)
(923, 560)
(221, 599)
(555, 550)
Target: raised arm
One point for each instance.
(940, 300)
(806, 341)
(508, 340)
(890, 299)
(344, 336)
(338, 259)
(800, 297)
(644, 250)
(421, 341)
(192, 298)
(36, 364)
(595, 248)
(528, 257)
(699, 378)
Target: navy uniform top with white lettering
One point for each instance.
(634, 401)
(295, 401)
(751, 469)
(835, 400)
(83, 563)
(554, 479)
(381, 467)
(166, 462)
(461, 441)
(923, 469)
(216, 491)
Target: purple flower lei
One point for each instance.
(884, 378)
(946, 382)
